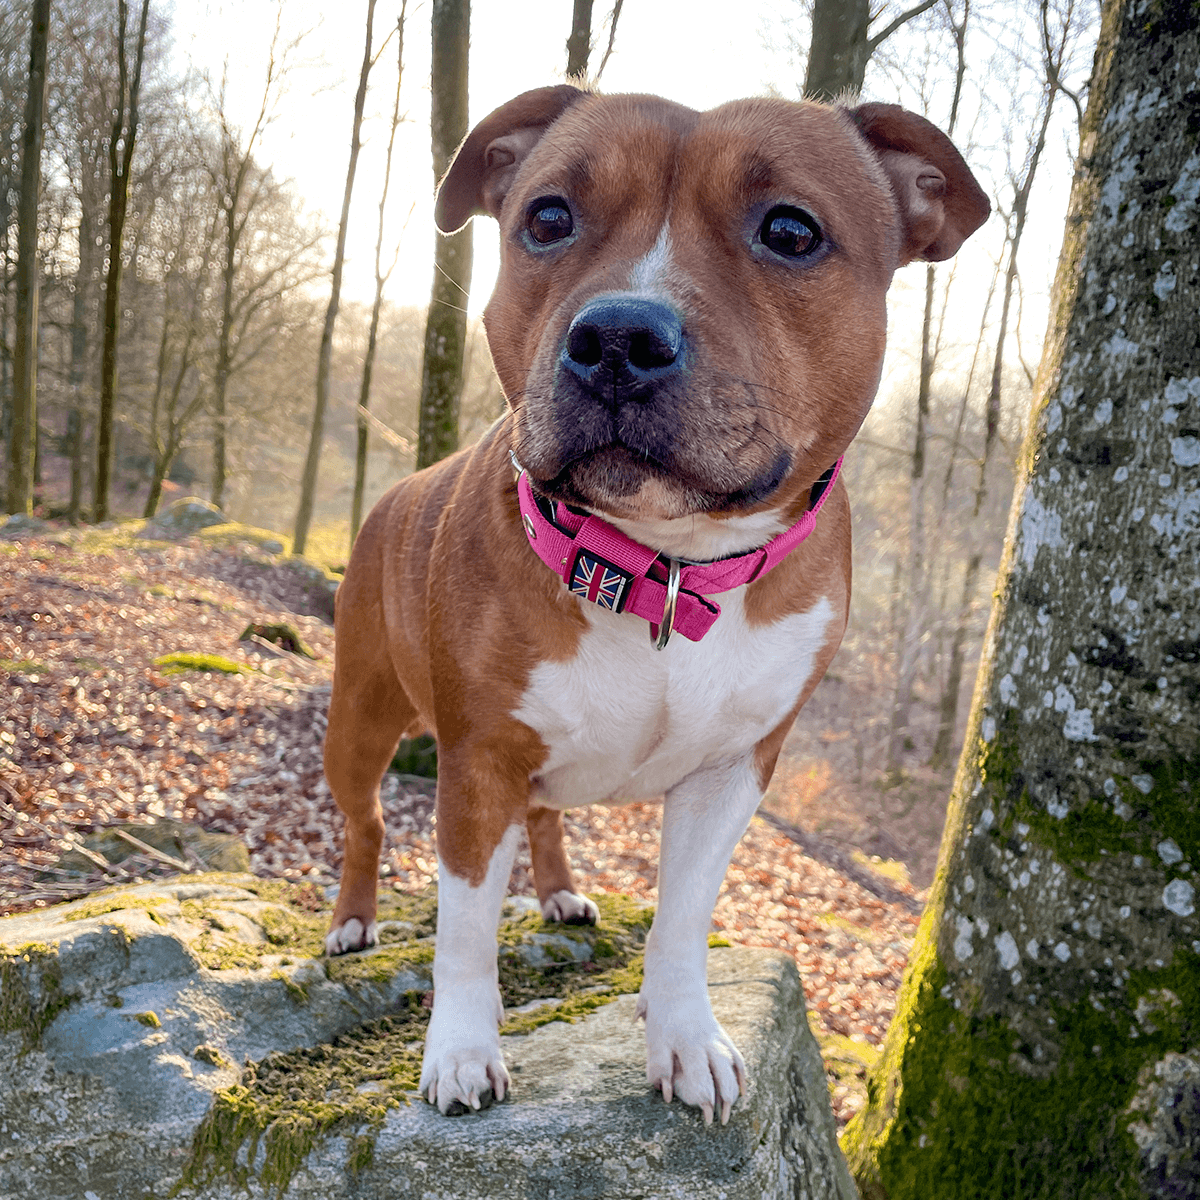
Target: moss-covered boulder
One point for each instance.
(187, 515)
(185, 1038)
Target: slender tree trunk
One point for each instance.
(446, 324)
(224, 347)
(1047, 1036)
(579, 44)
(915, 602)
(308, 483)
(22, 436)
(78, 368)
(842, 45)
(120, 157)
(381, 278)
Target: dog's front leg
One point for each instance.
(463, 1066)
(688, 1054)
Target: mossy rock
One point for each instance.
(286, 637)
(182, 517)
(180, 661)
(215, 851)
(416, 756)
(181, 1038)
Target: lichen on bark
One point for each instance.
(1055, 984)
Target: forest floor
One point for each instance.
(93, 732)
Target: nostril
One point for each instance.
(650, 349)
(583, 345)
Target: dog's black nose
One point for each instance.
(620, 347)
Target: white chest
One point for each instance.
(625, 722)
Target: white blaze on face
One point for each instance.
(652, 272)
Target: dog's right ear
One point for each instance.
(488, 160)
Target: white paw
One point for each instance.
(463, 1066)
(689, 1055)
(570, 908)
(350, 935)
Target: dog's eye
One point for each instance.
(550, 221)
(789, 232)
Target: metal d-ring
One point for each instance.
(668, 618)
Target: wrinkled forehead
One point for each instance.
(645, 158)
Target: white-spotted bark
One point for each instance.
(1047, 1039)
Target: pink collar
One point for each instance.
(599, 563)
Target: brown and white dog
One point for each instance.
(689, 325)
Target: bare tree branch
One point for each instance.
(886, 32)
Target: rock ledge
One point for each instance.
(114, 1038)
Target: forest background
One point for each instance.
(235, 180)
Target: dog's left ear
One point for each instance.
(487, 162)
(940, 202)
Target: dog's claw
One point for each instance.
(707, 1110)
(668, 1091)
(726, 1108)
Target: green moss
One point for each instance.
(832, 921)
(109, 902)
(1169, 808)
(715, 940)
(362, 1154)
(890, 868)
(286, 637)
(210, 1054)
(583, 987)
(416, 756)
(289, 1102)
(967, 1108)
(379, 965)
(31, 992)
(297, 991)
(286, 1104)
(302, 933)
(847, 1062)
(181, 661)
(147, 1018)
(23, 666)
(231, 534)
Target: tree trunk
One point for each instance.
(78, 369)
(216, 493)
(842, 44)
(837, 55)
(381, 278)
(120, 158)
(446, 324)
(579, 44)
(23, 421)
(1047, 1038)
(915, 602)
(308, 482)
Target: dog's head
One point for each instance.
(689, 316)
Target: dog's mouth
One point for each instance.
(617, 481)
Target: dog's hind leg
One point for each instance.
(559, 898)
(368, 713)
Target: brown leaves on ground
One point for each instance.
(92, 732)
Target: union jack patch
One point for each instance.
(598, 581)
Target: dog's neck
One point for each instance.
(701, 538)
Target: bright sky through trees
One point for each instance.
(699, 52)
